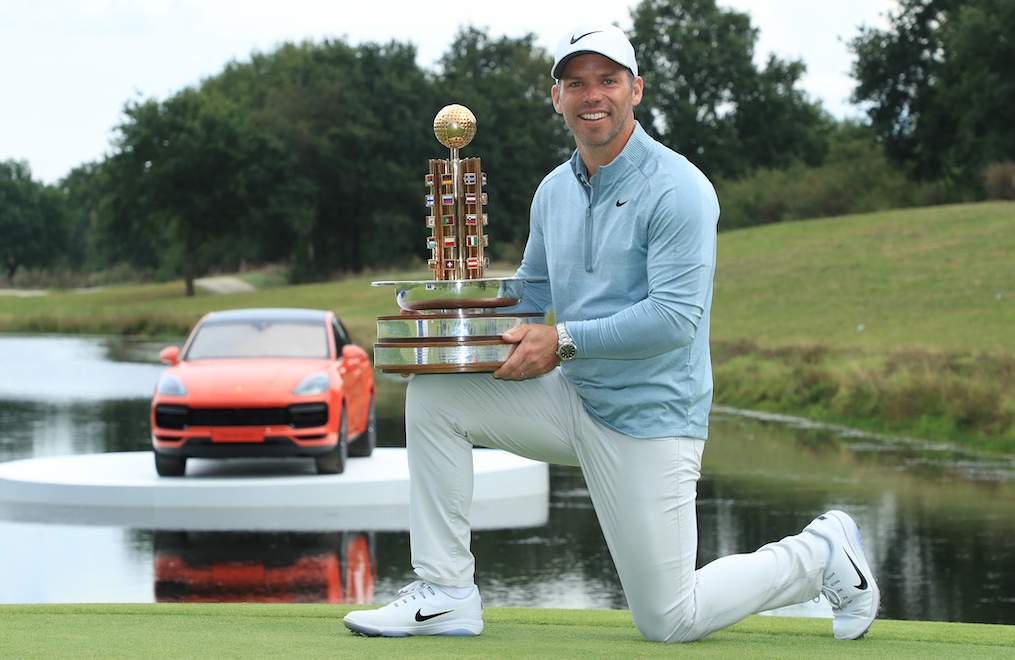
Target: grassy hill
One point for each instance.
(898, 321)
(939, 278)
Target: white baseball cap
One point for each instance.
(607, 40)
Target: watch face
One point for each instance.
(567, 352)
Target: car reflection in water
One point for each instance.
(294, 567)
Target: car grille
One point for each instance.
(298, 416)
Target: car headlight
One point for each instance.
(314, 384)
(171, 386)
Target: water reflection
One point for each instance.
(939, 526)
(31, 429)
(56, 368)
(288, 567)
(941, 543)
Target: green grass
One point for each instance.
(315, 631)
(162, 310)
(939, 278)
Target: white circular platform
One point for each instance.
(123, 489)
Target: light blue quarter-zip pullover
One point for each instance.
(629, 259)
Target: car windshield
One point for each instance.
(259, 339)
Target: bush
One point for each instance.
(942, 396)
(855, 178)
(999, 180)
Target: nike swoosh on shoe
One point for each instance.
(863, 580)
(426, 617)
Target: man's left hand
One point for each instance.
(534, 352)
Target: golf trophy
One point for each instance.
(452, 323)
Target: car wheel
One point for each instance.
(334, 461)
(170, 466)
(364, 445)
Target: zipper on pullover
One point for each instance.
(587, 237)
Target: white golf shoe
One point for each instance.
(422, 608)
(849, 583)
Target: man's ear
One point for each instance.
(639, 87)
(555, 95)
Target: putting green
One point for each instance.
(315, 631)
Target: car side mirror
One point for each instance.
(170, 355)
(349, 352)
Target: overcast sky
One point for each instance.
(69, 66)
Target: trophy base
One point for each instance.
(445, 343)
(465, 358)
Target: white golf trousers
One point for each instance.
(643, 492)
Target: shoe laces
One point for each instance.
(418, 588)
(832, 588)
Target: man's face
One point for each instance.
(596, 97)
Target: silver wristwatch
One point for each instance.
(566, 350)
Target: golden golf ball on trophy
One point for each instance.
(454, 126)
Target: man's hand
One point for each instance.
(534, 352)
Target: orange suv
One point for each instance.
(265, 383)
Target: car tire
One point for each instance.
(170, 466)
(364, 445)
(334, 461)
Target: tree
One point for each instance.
(939, 87)
(83, 191)
(106, 227)
(383, 149)
(705, 98)
(194, 167)
(355, 124)
(33, 220)
(776, 125)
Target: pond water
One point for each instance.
(938, 524)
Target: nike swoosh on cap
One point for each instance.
(575, 39)
(621, 203)
(426, 617)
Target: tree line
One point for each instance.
(313, 155)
